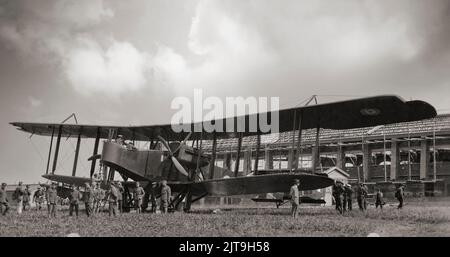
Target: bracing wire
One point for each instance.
(37, 150)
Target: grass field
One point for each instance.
(418, 218)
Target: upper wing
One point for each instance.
(260, 184)
(364, 112)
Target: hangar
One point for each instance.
(416, 153)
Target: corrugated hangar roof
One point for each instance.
(416, 129)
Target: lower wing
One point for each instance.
(77, 181)
(260, 184)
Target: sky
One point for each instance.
(123, 62)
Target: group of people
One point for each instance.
(23, 199)
(93, 197)
(343, 196)
(22, 195)
(126, 144)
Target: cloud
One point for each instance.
(33, 28)
(225, 53)
(34, 102)
(62, 33)
(120, 67)
(349, 45)
(238, 47)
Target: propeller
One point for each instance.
(177, 164)
(183, 142)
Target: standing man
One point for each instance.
(102, 198)
(338, 193)
(112, 195)
(96, 202)
(361, 194)
(400, 194)
(99, 198)
(379, 199)
(75, 197)
(138, 197)
(348, 194)
(120, 196)
(26, 197)
(295, 197)
(153, 194)
(88, 198)
(52, 199)
(38, 198)
(18, 196)
(166, 195)
(365, 193)
(4, 206)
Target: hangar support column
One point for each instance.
(395, 159)
(291, 160)
(424, 158)
(227, 161)
(340, 160)
(367, 156)
(315, 159)
(247, 161)
(268, 159)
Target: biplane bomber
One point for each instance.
(190, 171)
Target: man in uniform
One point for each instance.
(18, 196)
(153, 194)
(379, 199)
(120, 140)
(96, 193)
(361, 194)
(46, 188)
(88, 199)
(338, 193)
(166, 196)
(112, 196)
(52, 199)
(295, 197)
(75, 197)
(400, 194)
(348, 194)
(103, 199)
(120, 196)
(365, 193)
(4, 206)
(138, 197)
(26, 197)
(38, 198)
(99, 196)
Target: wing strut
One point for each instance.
(213, 156)
(58, 142)
(316, 151)
(50, 151)
(77, 152)
(94, 161)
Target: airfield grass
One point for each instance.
(418, 218)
